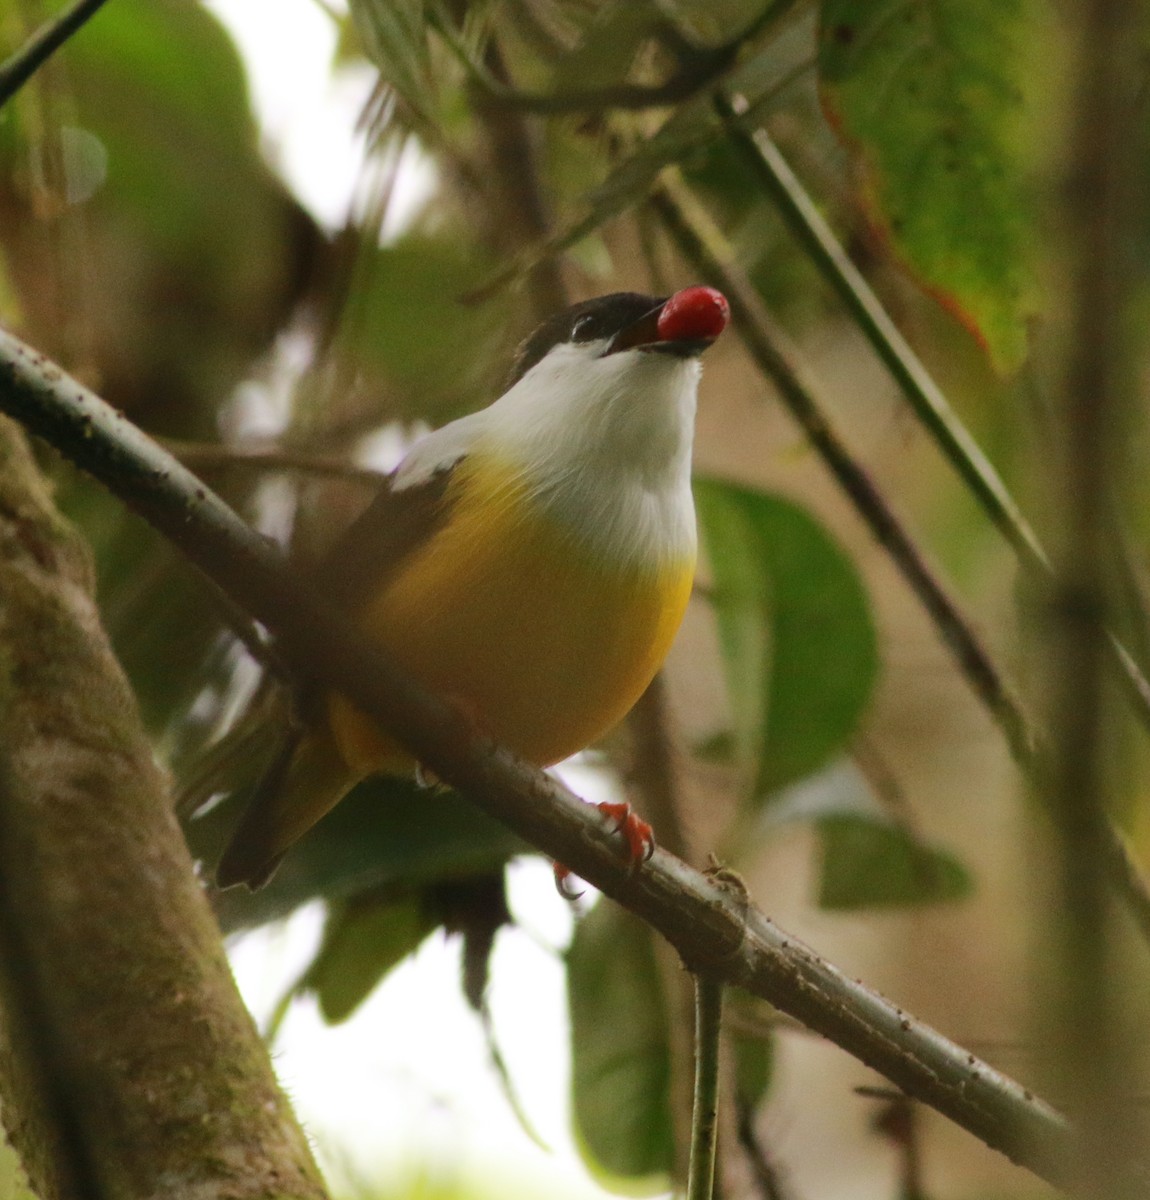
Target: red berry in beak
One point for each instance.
(694, 314)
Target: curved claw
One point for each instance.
(639, 836)
(562, 875)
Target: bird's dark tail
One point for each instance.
(310, 779)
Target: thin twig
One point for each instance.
(626, 184)
(926, 398)
(653, 776)
(214, 456)
(705, 1113)
(766, 1174)
(897, 1121)
(772, 171)
(19, 67)
(696, 238)
(714, 929)
(520, 199)
(653, 783)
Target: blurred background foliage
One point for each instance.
(823, 742)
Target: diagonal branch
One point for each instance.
(764, 161)
(930, 406)
(767, 345)
(716, 932)
(18, 68)
(208, 457)
(697, 240)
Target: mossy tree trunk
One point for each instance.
(128, 1063)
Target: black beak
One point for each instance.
(643, 334)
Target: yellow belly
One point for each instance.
(502, 612)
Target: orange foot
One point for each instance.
(638, 834)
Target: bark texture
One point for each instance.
(129, 1066)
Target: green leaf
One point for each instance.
(407, 322)
(184, 260)
(798, 642)
(609, 46)
(868, 863)
(362, 941)
(928, 95)
(621, 1057)
(869, 859)
(387, 833)
(193, 249)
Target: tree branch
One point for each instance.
(714, 931)
(18, 68)
(216, 456)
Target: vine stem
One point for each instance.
(705, 1113)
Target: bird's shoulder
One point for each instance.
(412, 503)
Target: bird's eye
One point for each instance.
(582, 329)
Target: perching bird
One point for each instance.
(530, 562)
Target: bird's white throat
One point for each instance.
(603, 444)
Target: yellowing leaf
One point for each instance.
(928, 97)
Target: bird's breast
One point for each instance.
(544, 637)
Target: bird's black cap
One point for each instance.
(588, 321)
